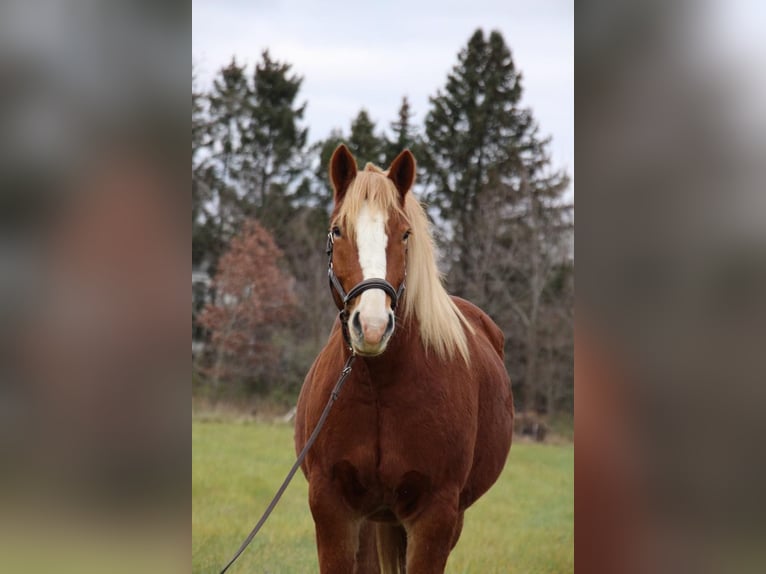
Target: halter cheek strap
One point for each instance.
(356, 290)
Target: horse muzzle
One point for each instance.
(370, 331)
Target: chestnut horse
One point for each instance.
(423, 426)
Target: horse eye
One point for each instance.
(336, 231)
(406, 235)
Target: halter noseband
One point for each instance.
(356, 290)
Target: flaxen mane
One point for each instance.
(441, 322)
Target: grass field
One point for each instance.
(523, 525)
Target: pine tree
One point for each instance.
(200, 127)
(255, 148)
(227, 108)
(487, 173)
(227, 117)
(403, 132)
(474, 127)
(324, 150)
(204, 184)
(257, 145)
(274, 141)
(364, 143)
(200, 192)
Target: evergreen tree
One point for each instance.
(204, 184)
(199, 128)
(256, 145)
(487, 173)
(324, 150)
(474, 127)
(227, 108)
(364, 143)
(227, 116)
(274, 141)
(403, 132)
(254, 149)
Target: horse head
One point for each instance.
(367, 243)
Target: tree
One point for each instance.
(364, 143)
(200, 191)
(227, 108)
(205, 184)
(522, 272)
(473, 129)
(200, 127)
(225, 124)
(324, 149)
(254, 148)
(253, 296)
(257, 143)
(499, 204)
(274, 141)
(403, 131)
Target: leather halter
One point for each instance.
(356, 290)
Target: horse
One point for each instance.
(424, 425)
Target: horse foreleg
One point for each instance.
(431, 536)
(337, 530)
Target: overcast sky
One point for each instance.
(353, 55)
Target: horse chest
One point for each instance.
(399, 451)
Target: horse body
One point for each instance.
(413, 440)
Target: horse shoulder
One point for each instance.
(300, 408)
(482, 323)
(309, 391)
(312, 397)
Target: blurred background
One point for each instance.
(671, 277)
(94, 436)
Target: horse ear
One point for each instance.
(402, 172)
(342, 171)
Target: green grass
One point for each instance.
(524, 524)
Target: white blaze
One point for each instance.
(371, 241)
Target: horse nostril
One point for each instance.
(390, 323)
(357, 324)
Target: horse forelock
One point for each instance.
(442, 325)
(370, 188)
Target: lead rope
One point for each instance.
(333, 397)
